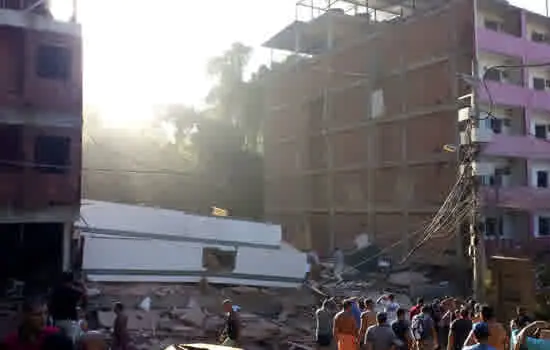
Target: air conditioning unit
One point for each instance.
(477, 135)
(465, 114)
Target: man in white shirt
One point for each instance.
(390, 306)
(339, 263)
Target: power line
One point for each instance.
(94, 169)
(437, 223)
(498, 67)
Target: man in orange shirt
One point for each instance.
(345, 328)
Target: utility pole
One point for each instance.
(477, 246)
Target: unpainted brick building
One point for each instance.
(40, 139)
(355, 132)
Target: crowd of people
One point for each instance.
(58, 321)
(447, 324)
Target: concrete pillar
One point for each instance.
(66, 242)
(523, 20)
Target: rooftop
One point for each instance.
(35, 15)
(319, 24)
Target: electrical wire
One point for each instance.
(454, 219)
(446, 220)
(499, 67)
(456, 192)
(99, 170)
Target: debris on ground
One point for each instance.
(181, 313)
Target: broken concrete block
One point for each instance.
(193, 317)
(106, 318)
(244, 289)
(213, 323)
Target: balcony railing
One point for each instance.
(510, 45)
(517, 146)
(499, 42)
(523, 198)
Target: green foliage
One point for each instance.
(216, 149)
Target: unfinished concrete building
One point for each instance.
(357, 121)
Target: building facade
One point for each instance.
(514, 162)
(358, 119)
(40, 138)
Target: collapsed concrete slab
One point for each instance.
(174, 247)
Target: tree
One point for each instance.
(212, 159)
(227, 94)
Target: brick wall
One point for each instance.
(390, 173)
(29, 98)
(19, 84)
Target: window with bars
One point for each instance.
(53, 62)
(52, 154)
(542, 179)
(541, 131)
(543, 226)
(493, 227)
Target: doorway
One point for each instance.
(32, 253)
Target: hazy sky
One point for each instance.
(143, 52)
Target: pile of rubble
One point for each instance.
(183, 313)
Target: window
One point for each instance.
(539, 84)
(509, 113)
(493, 227)
(52, 154)
(11, 151)
(486, 180)
(541, 131)
(53, 62)
(544, 226)
(217, 260)
(496, 125)
(538, 37)
(492, 74)
(542, 179)
(493, 25)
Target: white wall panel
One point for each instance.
(130, 218)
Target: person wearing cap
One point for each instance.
(534, 336)
(498, 337)
(480, 332)
(381, 335)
